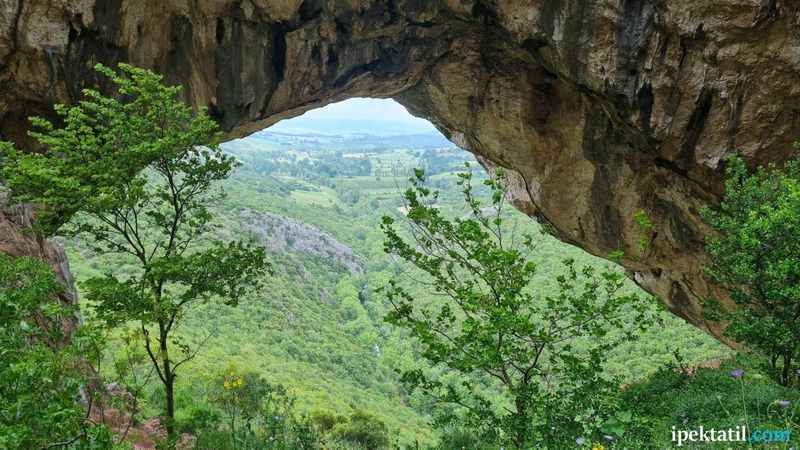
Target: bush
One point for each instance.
(364, 430)
(325, 421)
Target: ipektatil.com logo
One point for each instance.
(737, 434)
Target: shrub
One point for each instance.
(363, 430)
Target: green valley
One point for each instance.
(317, 326)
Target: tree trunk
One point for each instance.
(787, 367)
(522, 419)
(170, 407)
(169, 387)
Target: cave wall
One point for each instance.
(597, 108)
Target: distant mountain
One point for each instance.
(345, 126)
(373, 116)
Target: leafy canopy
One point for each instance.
(489, 319)
(104, 141)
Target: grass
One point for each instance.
(325, 197)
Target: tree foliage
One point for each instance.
(756, 257)
(136, 173)
(487, 320)
(41, 379)
(103, 144)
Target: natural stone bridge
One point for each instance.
(600, 108)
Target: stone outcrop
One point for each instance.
(281, 234)
(600, 108)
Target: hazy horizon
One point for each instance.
(357, 116)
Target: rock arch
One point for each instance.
(599, 108)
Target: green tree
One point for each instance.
(545, 351)
(41, 376)
(136, 173)
(756, 257)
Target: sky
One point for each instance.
(357, 115)
(360, 108)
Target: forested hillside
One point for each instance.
(315, 202)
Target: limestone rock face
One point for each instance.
(279, 234)
(598, 108)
